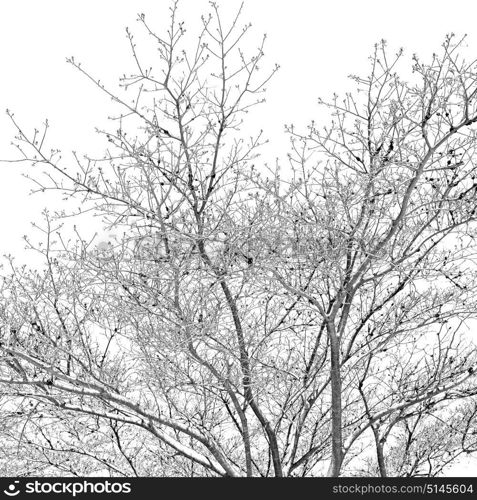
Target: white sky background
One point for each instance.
(317, 44)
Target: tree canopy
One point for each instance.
(307, 319)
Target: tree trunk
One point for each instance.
(381, 461)
(380, 453)
(336, 410)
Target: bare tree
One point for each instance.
(241, 321)
(382, 203)
(174, 189)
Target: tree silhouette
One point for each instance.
(248, 321)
